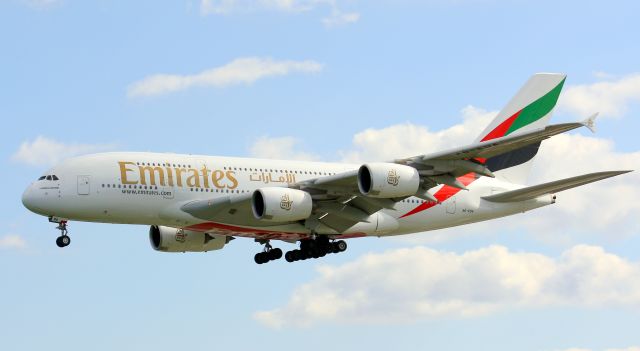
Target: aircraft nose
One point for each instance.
(29, 200)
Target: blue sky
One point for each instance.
(330, 80)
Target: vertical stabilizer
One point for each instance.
(528, 110)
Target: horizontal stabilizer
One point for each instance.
(535, 191)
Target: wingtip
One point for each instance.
(590, 122)
(620, 172)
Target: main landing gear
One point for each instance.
(269, 254)
(63, 240)
(318, 247)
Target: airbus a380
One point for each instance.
(199, 203)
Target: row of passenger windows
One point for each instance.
(411, 201)
(48, 177)
(205, 190)
(120, 186)
(158, 164)
(276, 170)
(155, 187)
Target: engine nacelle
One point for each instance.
(281, 204)
(167, 239)
(387, 180)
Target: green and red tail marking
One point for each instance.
(525, 116)
(529, 114)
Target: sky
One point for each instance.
(329, 80)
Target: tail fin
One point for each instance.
(528, 110)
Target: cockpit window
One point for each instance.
(42, 178)
(48, 177)
(54, 177)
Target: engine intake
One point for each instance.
(281, 204)
(387, 180)
(167, 239)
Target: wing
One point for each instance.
(535, 191)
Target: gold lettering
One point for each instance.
(169, 175)
(123, 173)
(232, 178)
(216, 177)
(179, 172)
(205, 176)
(152, 171)
(194, 178)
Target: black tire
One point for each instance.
(306, 244)
(259, 258)
(304, 254)
(334, 248)
(341, 245)
(275, 254)
(296, 254)
(289, 257)
(59, 242)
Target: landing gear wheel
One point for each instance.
(289, 256)
(261, 257)
(269, 253)
(63, 241)
(275, 254)
(296, 254)
(341, 245)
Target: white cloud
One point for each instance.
(12, 241)
(239, 71)
(404, 140)
(287, 148)
(43, 151)
(405, 285)
(339, 18)
(226, 7)
(611, 98)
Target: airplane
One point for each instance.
(200, 203)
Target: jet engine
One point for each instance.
(387, 180)
(167, 239)
(281, 204)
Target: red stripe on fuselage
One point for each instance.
(259, 233)
(443, 194)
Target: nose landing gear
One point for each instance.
(63, 240)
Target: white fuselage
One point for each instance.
(150, 188)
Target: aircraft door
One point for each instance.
(84, 184)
